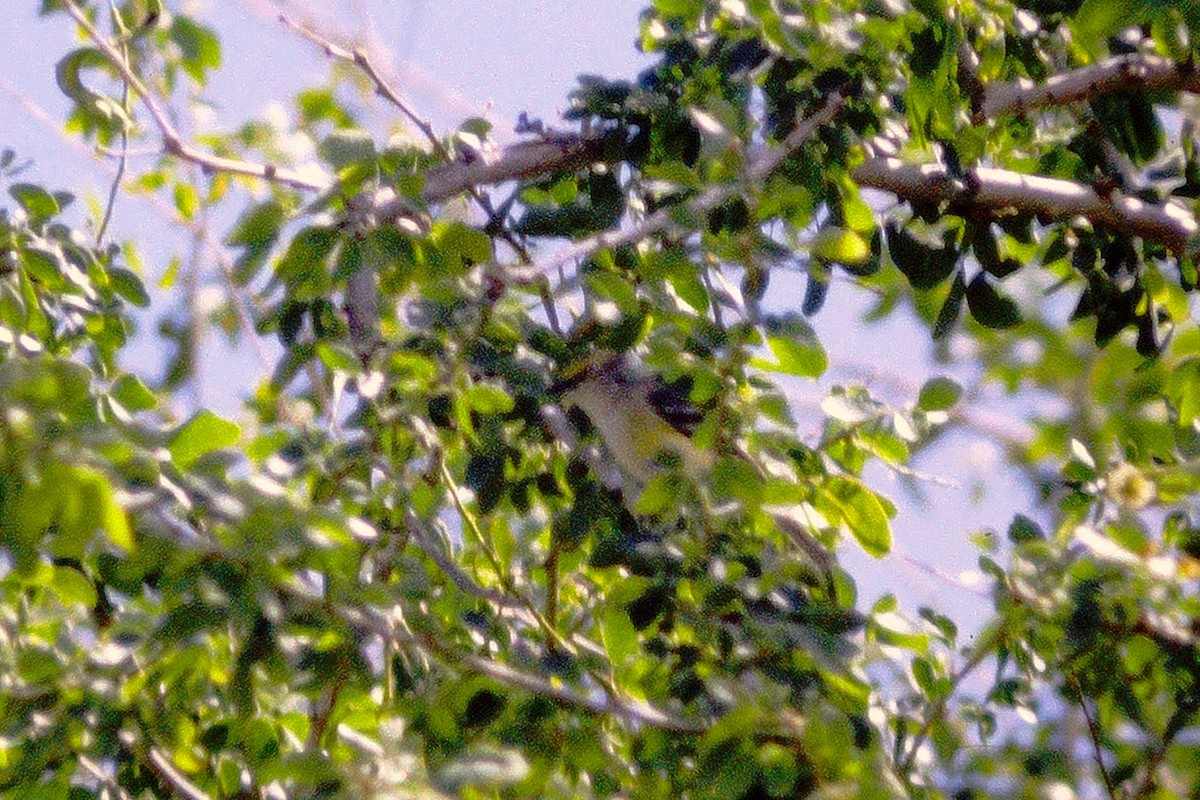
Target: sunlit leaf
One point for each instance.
(204, 433)
(939, 394)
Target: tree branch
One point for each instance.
(999, 190)
(634, 711)
(1094, 734)
(172, 141)
(758, 168)
(361, 294)
(519, 161)
(984, 648)
(361, 60)
(160, 765)
(1125, 73)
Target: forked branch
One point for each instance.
(172, 141)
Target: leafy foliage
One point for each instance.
(406, 572)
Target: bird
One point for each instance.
(639, 416)
(643, 421)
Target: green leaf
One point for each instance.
(734, 479)
(883, 443)
(658, 496)
(923, 263)
(39, 666)
(256, 231)
(320, 104)
(171, 273)
(618, 635)
(678, 8)
(338, 357)
(794, 343)
(841, 245)
(938, 394)
(488, 400)
(861, 512)
(187, 203)
(613, 287)
(131, 393)
(778, 768)
(100, 509)
(199, 47)
(1182, 389)
(462, 244)
(204, 433)
(129, 286)
(73, 587)
(346, 147)
(97, 110)
(37, 202)
(989, 308)
(476, 126)
(729, 771)
(1097, 20)
(485, 476)
(305, 265)
(1023, 529)
(951, 308)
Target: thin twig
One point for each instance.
(177, 780)
(122, 163)
(633, 711)
(1094, 735)
(1174, 726)
(472, 526)
(103, 778)
(123, 158)
(360, 59)
(551, 566)
(996, 189)
(194, 333)
(160, 765)
(216, 249)
(516, 162)
(547, 296)
(322, 711)
(173, 142)
(460, 579)
(983, 649)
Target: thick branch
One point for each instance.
(519, 161)
(1143, 73)
(998, 190)
(1122, 73)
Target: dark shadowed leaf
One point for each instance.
(988, 307)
